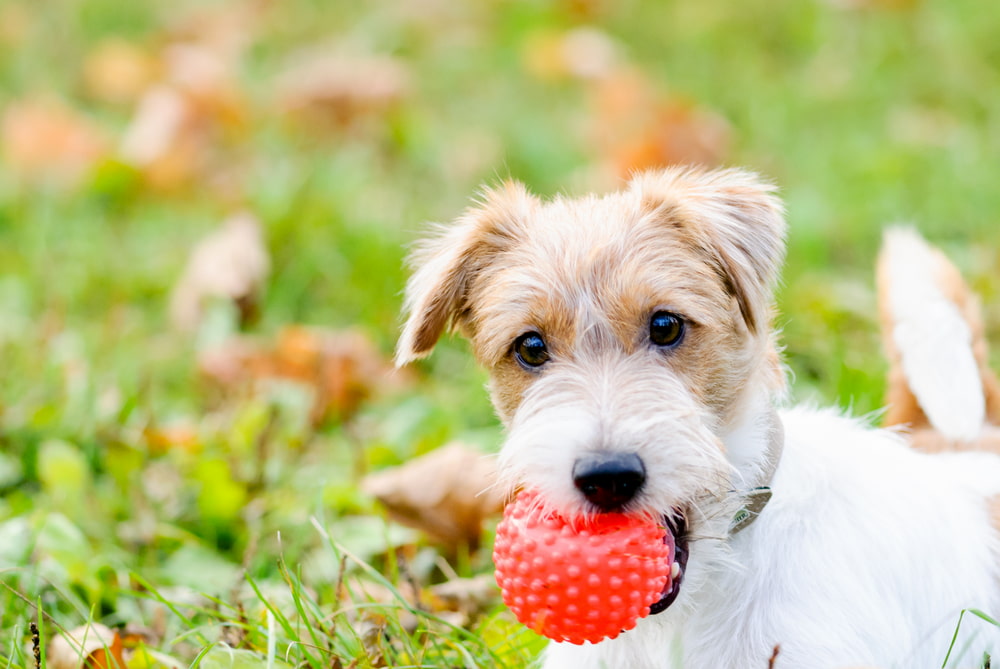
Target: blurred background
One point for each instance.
(204, 211)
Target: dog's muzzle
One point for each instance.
(609, 480)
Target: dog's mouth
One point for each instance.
(676, 526)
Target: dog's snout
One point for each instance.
(609, 481)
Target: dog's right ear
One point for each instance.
(446, 265)
(735, 218)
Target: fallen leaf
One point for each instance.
(165, 140)
(92, 646)
(447, 493)
(207, 78)
(324, 85)
(637, 127)
(231, 263)
(183, 125)
(342, 369)
(189, 102)
(678, 133)
(46, 140)
(119, 71)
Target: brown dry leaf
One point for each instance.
(168, 140)
(204, 51)
(324, 85)
(207, 79)
(679, 133)
(230, 263)
(636, 127)
(118, 71)
(447, 493)
(45, 139)
(341, 368)
(188, 100)
(179, 129)
(91, 646)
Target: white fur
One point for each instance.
(867, 551)
(934, 341)
(866, 555)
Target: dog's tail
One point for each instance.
(933, 333)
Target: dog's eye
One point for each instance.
(530, 350)
(666, 329)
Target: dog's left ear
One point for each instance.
(447, 264)
(732, 216)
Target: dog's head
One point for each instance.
(628, 337)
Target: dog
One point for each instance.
(634, 363)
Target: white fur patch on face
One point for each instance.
(614, 403)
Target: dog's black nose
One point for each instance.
(609, 480)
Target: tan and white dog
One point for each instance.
(634, 364)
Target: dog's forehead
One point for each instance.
(601, 264)
(566, 229)
(605, 246)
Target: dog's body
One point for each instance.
(633, 362)
(848, 565)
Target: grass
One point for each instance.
(865, 116)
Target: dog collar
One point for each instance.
(757, 497)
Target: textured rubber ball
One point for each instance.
(578, 580)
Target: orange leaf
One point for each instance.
(107, 658)
(678, 134)
(342, 369)
(42, 139)
(638, 127)
(92, 646)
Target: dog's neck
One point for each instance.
(754, 444)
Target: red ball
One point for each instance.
(584, 579)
